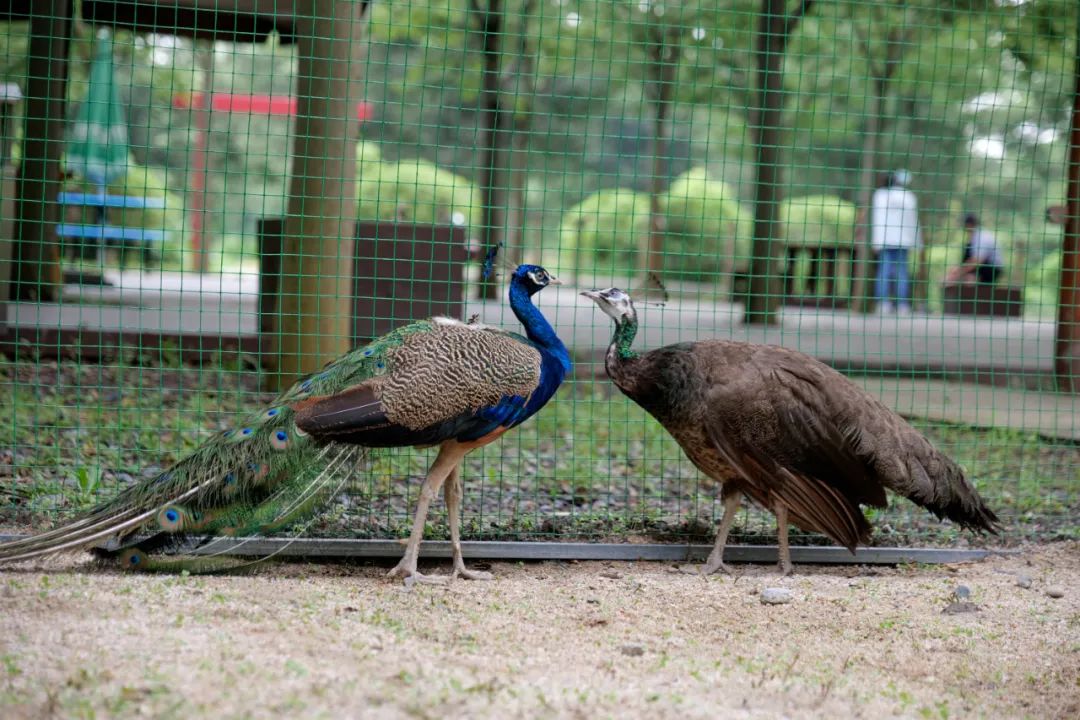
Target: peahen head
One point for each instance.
(616, 303)
(533, 278)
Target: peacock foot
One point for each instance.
(708, 568)
(406, 568)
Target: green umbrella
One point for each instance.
(97, 145)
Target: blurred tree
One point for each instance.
(708, 234)
(602, 234)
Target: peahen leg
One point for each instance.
(715, 561)
(452, 492)
(782, 538)
(449, 458)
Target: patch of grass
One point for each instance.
(592, 465)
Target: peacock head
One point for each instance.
(616, 303)
(533, 278)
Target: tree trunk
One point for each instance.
(517, 169)
(496, 147)
(315, 308)
(1067, 342)
(38, 274)
(862, 283)
(774, 29)
(665, 58)
(200, 154)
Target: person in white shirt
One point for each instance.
(894, 234)
(982, 261)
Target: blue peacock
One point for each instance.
(440, 382)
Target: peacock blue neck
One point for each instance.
(625, 332)
(536, 325)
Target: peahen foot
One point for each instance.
(463, 572)
(783, 550)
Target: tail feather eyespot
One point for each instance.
(132, 559)
(172, 518)
(279, 440)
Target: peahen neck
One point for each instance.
(625, 332)
(537, 327)
(620, 361)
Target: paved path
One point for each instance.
(1049, 414)
(174, 303)
(226, 304)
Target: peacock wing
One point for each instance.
(452, 381)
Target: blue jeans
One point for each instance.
(893, 284)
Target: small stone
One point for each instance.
(611, 575)
(776, 596)
(961, 593)
(632, 650)
(1023, 581)
(1055, 592)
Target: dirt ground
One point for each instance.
(544, 640)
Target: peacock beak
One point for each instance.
(552, 280)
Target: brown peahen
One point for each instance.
(786, 430)
(438, 382)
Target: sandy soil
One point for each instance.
(544, 640)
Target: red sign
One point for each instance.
(256, 104)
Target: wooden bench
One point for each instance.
(982, 299)
(829, 280)
(104, 234)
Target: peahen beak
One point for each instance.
(593, 295)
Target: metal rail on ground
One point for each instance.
(515, 550)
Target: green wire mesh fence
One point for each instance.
(882, 185)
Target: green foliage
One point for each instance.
(1041, 286)
(604, 232)
(977, 108)
(707, 230)
(412, 191)
(816, 220)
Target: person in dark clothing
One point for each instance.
(982, 261)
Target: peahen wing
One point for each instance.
(450, 381)
(767, 425)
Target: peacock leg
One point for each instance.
(715, 561)
(452, 492)
(782, 539)
(449, 457)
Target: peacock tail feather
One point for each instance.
(257, 477)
